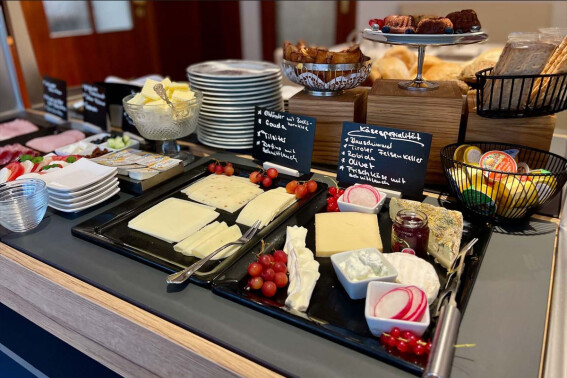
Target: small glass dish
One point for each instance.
(162, 123)
(357, 289)
(23, 204)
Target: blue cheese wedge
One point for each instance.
(445, 228)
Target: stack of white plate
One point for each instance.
(80, 185)
(231, 89)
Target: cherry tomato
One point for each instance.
(300, 191)
(272, 173)
(17, 170)
(279, 267)
(267, 182)
(229, 170)
(254, 177)
(290, 187)
(268, 274)
(218, 169)
(280, 279)
(269, 289)
(280, 256)
(211, 167)
(255, 283)
(255, 269)
(311, 186)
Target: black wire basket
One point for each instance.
(520, 96)
(504, 196)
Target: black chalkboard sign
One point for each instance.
(55, 96)
(384, 157)
(115, 92)
(94, 97)
(284, 138)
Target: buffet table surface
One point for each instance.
(123, 314)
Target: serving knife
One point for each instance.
(443, 344)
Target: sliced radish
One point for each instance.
(346, 194)
(419, 314)
(363, 197)
(417, 303)
(370, 187)
(394, 304)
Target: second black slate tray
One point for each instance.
(331, 313)
(110, 229)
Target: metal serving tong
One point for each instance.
(182, 276)
(443, 344)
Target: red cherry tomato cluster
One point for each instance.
(334, 193)
(300, 189)
(268, 273)
(378, 21)
(219, 168)
(264, 177)
(405, 342)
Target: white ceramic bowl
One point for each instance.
(376, 289)
(357, 289)
(346, 207)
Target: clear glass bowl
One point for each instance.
(162, 123)
(23, 204)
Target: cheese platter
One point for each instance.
(174, 225)
(318, 298)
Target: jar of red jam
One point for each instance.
(410, 230)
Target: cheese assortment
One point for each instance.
(208, 239)
(173, 219)
(303, 269)
(445, 228)
(340, 232)
(265, 207)
(228, 193)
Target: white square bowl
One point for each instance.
(376, 289)
(357, 289)
(347, 207)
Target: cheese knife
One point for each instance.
(443, 344)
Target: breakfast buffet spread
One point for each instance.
(352, 262)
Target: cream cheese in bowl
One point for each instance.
(363, 264)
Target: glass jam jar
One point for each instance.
(410, 230)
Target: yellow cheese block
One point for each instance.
(173, 219)
(180, 96)
(230, 234)
(148, 89)
(265, 207)
(339, 232)
(166, 83)
(178, 85)
(186, 245)
(138, 99)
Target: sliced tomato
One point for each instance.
(17, 170)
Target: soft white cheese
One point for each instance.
(413, 270)
(363, 264)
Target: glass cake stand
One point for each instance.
(421, 41)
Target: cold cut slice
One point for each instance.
(52, 142)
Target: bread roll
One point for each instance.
(404, 54)
(428, 62)
(392, 68)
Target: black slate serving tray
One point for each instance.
(331, 313)
(110, 228)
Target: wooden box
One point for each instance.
(330, 113)
(535, 132)
(437, 112)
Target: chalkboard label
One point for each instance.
(284, 138)
(384, 157)
(94, 97)
(55, 96)
(115, 92)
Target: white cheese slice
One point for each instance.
(231, 234)
(173, 219)
(413, 270)
(265, 207)
(186, 245)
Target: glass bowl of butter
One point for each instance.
(165, 116)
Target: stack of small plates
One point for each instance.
(80, 185)
(231, 89)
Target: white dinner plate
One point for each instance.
(83, 192)
(74, 209)
(219, 118)
(245, 102)
(209, 90)
(256, 83)
(233, 69)
(243, 109)
(226, 146)
(228, 126)
(85, 200)
(227, 139)
(79, 175)
(92, 193)
(236, 134)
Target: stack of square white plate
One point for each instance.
(80, 185)
(231, 89)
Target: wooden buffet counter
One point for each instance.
(122, 313)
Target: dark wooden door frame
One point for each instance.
(346, 20)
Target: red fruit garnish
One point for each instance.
(311, 186)
(300, 191)
(419, 350)
(372, 21)
(266, 261)
(331, 200)
(332, 190)
(229, 170)
(332, 207)
(211, 167)
(254, 177)
(255, 283)
(268, 274)
(290, 187)
(219, 169)
(269, 289)
(279, 267)
(395, 332)
(255, 269)
(407, 334)
(267, 182)
(280, 256)
(272, 173)
(402, 346)
(340, 192)
(280, 279)
(380, 22)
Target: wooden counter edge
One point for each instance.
(126, 339)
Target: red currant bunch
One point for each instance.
(405, 342)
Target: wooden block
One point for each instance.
(330, 113)
(437, 112)
(535, 132)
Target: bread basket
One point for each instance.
(323, 79)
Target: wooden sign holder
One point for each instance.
(330, 113)
(437, 112)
